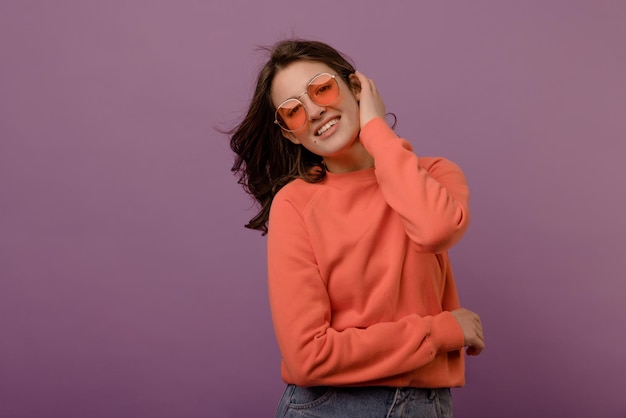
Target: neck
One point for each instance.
(353, 159)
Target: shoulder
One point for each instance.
(296, 189)
(297, 194)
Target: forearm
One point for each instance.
(357, 355)
(431, 196)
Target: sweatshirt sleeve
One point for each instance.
(430, 195)
(313, 352)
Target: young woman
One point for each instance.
(362, 296)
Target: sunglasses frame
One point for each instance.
(306, 92)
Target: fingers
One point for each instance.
(366, 82)
(370, 103)
(478, 326)
(476, 347)
(361, 77)
(478, 330)
(474, 351)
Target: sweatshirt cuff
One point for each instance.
(377, 135)
(446, 333)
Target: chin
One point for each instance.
(336, 151)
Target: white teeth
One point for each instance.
(326, 127)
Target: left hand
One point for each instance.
(370, 102)
(472, 330)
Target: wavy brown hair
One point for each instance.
(265, 160)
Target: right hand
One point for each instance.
(472, 330)
(371, 105)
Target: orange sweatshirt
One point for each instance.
(360, 283)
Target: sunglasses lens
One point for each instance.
(291, 115)
(323, 89)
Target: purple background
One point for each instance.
(129, 287)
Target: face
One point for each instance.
(331, 129)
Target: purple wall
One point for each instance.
(129, 287)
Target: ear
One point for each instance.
(290, 136)
(355, 86)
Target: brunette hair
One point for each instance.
(265, 160)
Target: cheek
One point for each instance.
(355, 113)
(351, 104)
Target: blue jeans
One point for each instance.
(364, 402)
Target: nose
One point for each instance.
(313, 110)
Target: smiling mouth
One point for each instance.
(327, 126)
